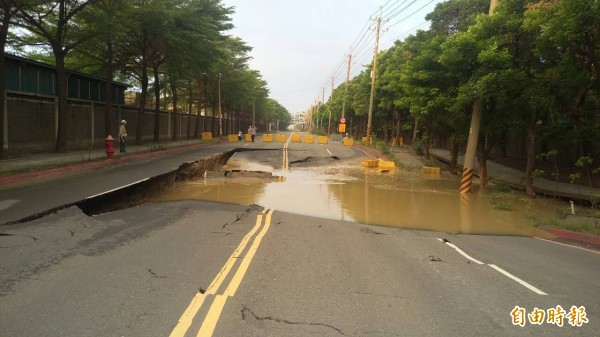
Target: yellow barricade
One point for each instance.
(296, 138)
(206, 135)
(267, 137)
(232, 138)
(386, 164)
(348, 141)
(280, 138)
(430, 170)
(248, 137)
(309, 139)
(323, 140)
(370, 163)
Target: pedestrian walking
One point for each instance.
(239, 136)
(253, 133)
(122, 136)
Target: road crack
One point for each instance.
(371, 231)
(155, 274)
(246, 313)
(26, 236)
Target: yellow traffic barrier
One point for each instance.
(296, 138)
(348, 141)
(232, 138)
(309, 139)
(323, 140)
(206, 135)
(267, 137)
(280, 138)
(248, 137)
(370, 163)
(430, 170)
(386, 164)
(382, 165)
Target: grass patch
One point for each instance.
(502, 188)
(581, 227)
(500, 203)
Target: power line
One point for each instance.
(397, 11)
(413, 13)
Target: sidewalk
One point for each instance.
(48, 164)
(516, 179)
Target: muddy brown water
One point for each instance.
(400, 198)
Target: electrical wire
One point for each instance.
(361, 47)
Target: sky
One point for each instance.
(298, 46)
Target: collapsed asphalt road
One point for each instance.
(188, 267)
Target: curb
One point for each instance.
(574, 236)
(71, 168)
(370, 151)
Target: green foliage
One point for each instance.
(503, 188)
(537, 173)
(574, 177)
(500, 203)
(418, 147)
(583, 227)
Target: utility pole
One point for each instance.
(373, 78)
(332, 79)
(254, 112)
(467, 175)
(329, 125)
(346, 86)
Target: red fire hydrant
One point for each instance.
(110, 146)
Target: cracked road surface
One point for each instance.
(134, 272)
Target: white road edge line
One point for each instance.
(566, 245)
(329, 152)
(461, 252)
(118, 188)
(502, 271)
(527, 285)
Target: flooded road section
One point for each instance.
(400, 198)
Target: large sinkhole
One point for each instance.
(147, 190)
(328, 187)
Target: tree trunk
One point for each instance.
(397, 128)
(108, 127)
(139, 136)
(530, 160)
(482, 162)
(427, 139)
(415, 130)
(454, 156)
(8, 13)
(176, 123)
(156, 105)
(63, 114)
(189, 110)
(198, 111)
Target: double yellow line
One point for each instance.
(211, 319)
